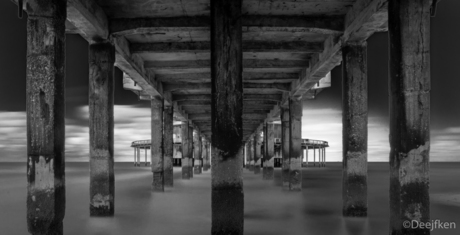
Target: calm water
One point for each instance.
(186, 209)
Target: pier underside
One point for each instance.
(227, 70)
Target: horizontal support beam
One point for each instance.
(208, 102)
(192, 64)
(89, 19)
(362, 20)
(206, 77)
(190, 97)
(246, 108)
(206, 109)
(206, 116)
(207, 86)
(314, 24)
(245, 97)
(133, 66)
(248, 46)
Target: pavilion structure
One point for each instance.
(227, 69)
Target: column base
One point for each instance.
(197, 170)
(227, 211)
(158, 182)
(256, 170)
(44, 227)
(269, 173)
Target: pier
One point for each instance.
(227, 71)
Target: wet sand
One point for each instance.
(186, 209)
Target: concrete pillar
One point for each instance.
(190, 148)
(295, 145)
(45, 116)
(269, 171)
(157, 106)
(145, 161)
(227, 121)
(251, 154)
(168, 145)
(101, 90)
(208, 155)
(204, 153)
(354, 118)
(409, 34)
(197, 150)
(285, 146)
(185, 150)
(257, 157)
(138, 163)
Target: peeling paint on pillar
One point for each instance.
(285, 147)
(257, 148)
(197, 150)
(45, 116)
(227, 117)
(354, 118)
(101, 124)
(295, 147)
(185, 150)
(409, 31)
(168, 143)
(269, 164)
(157, 107)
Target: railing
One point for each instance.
(141, 143)
(308, 142)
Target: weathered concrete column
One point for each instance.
(101, 90)
(409, 30)
(354, 122)
(257, 157)
(168, 145)
(45, 116)
(185, 150)
(251, 154)
(145, 162)
(227, 121)
(157, 107)
(264, 148)
(138, 156)
(269, 171)
(190, 148)
(295, 145)
(197, 150)
(285, 139)
(204, 153)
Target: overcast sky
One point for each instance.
(322, 117)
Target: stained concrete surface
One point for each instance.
(186, 209)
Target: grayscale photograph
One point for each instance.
(229, 117)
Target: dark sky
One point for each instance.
(445, 112)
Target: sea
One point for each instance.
(268, 209)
